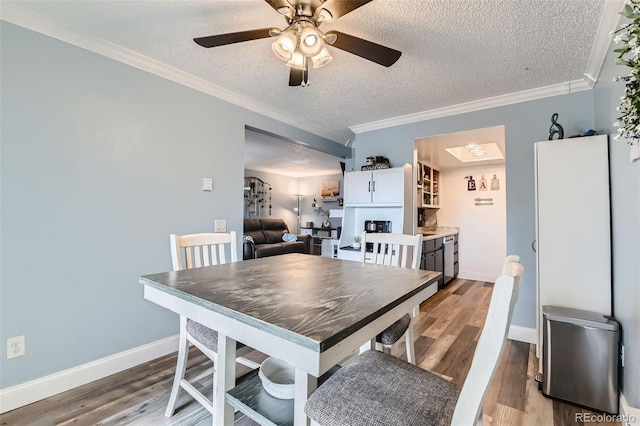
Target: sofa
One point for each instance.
(266, 239)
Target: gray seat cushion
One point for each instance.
(205, 335)
(395, 331)
(378, 389)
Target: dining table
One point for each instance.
(310, 311)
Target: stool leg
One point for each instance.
(181, 367)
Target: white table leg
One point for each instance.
(305, 385)
(370, 345)
(225, 380)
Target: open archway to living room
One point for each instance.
(292, 182)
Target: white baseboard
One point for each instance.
(522, 334)
(474, 276)
(630, 415)
(26, 393)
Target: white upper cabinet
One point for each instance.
(357, 187)
(375, 187)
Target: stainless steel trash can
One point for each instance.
(580, 358)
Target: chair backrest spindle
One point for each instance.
(392, 249)
(198, 250)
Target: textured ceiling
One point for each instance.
(272, 155)
(453, 51)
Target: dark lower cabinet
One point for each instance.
(456, 266)
(433, 258)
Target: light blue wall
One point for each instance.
(525, 124)
(100, 162)
(625, 215)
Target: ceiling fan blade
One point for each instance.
(276, 4)
(229, 38)
(340, 8)
(366, 49)
(295, 77)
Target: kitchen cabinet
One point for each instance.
(456, 265)
(433, 257)
(428, 185)
(379, 195)
(573, 240)
(375, 187)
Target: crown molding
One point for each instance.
(12, 13)
(497, 101)
(608, 22)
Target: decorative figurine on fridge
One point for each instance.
(555, 129)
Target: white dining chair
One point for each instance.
(195, 251)
(394, 250)
(376, 388)
(507, 263)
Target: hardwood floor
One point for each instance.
(447, 331)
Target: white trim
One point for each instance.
(608, 22)
(472, 276)
(10, 12)
(627, 411)
(496, 101)
(26, 393)
(522, 334)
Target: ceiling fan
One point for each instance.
(302, 42)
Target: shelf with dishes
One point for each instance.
(427, 186)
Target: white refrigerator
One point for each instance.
(573, 226)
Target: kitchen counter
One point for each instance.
(440, 232)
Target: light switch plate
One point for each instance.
(220, 225)
(207, 184)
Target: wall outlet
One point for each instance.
(622, 355)
(15, 347)
(220, 225)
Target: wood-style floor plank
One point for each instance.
(463, 288)
(537, 410)
(457, 360)
(506, 416)
(446, 330)
(514, 380)
(491, 397)
(565, 414)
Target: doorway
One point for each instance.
(466, 191)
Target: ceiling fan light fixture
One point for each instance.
(324, 16)
(284, 46)
(286, 11)
(322, 58)
(297, 60)
(310, 42)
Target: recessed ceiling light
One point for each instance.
(474, 152)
